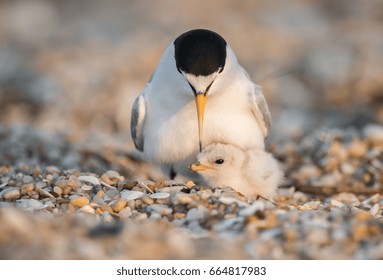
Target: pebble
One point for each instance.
(374, 133)
(79, 201)
(252, 209)
(357, 148)
(375, 209)
(105, 178)
(198, 213)
(230, 200)
(179, 215)
(337, 203)
(147, 199)
(159, 195)
(27, 179)
(372, 198)
(361, 215)
(87, 209)
(58, 190)
(205, 195)
(131, 195)
(172, 189)
(359, 231)
(125, 212)
(190, 184)
(228, 224)
(89, 179)
(318, 236)
(155, 216)
(118, 205)
(30, 204)
(114, 175)
(52, 169)
(87, 187)
(27, 188)
(308, 171)
(184, 198)
(45, 193)
(112, 194)
(160, 209)
(11, 194)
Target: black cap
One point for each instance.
(200, 52)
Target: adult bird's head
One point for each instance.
(200, 56)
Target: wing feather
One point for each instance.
(137, 120)
(260, 110)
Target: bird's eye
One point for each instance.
(219, 161)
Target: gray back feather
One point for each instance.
(261, 111)
(136, 122)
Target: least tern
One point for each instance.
(169, 120)
(251, 172)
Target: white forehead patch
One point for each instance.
(200, 83)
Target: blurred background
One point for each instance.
(75, 67)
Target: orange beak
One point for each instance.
(198, 167)
(200, 101)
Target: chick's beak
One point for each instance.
(200, 100)
(198, 167)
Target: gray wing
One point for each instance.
(260, 110)
(137, 119)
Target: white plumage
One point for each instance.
(165, 124)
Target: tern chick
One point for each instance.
(198, 94)
(250, 172)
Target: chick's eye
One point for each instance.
(219, 161)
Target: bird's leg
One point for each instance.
(172, 173)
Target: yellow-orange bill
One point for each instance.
(200, 100)
(198, 167)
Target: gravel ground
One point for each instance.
(330, 206)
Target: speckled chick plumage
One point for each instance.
(251, 171)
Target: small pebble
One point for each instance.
(11, 194)
(250, 210)
(87, 209)
(118, 205)
(32, 204)
(375, 209)
(58, 190)
(79, 201)
(159, 195)
(131, 195)
(160, 209)
(184, 198)
(147, 199)
(27, 188)
(89, 179)
(87, 187)
(27, 179)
